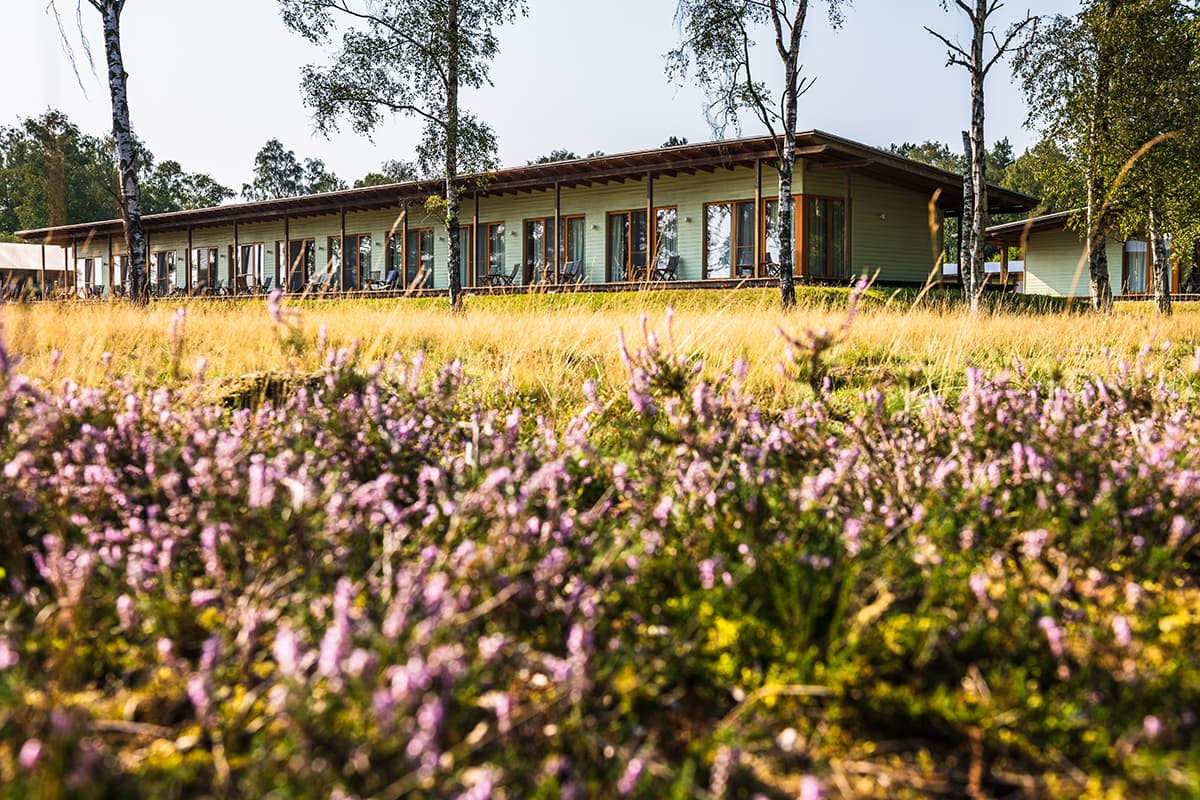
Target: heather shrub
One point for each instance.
(378, 584)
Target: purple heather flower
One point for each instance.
(197, 692)
(851, 536)
(1033, 542)
(1121, 633)
(8, 654)
(1152, 726)
(810, 788)
(287, 651)
(31, 752)
(629, 779)
(275, 305)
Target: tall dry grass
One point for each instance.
(546, 347)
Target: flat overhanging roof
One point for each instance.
(1015, 233)
(819, 150)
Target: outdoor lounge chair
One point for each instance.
(667, 269)
(572, 272)
(500, 279)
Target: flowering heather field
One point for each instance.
(373, 582)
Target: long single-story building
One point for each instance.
(1056, 258)
(702, 212)
(30, 269)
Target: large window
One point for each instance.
(666, 236)
(250, 264)
(299, 264)
(539, 250)
(349, 272)
(162, 272)
(204, 268)
(418, 258)
(628, 245)
(729, 231)
(825, 237)
(575, 239)
(490, 254)
(1136, 268)
(466, 272)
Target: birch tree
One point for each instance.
(1157, 195)
(409, 57)
(718, 47)
(978, 62)
(127, 166)
(1116, 87)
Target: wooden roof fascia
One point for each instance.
(826, 166)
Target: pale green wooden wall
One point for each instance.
(889, 226)
(1054, 264)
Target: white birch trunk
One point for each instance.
(131, 199)
(966, 224)
(1162, 261)
(978, 156)
(1097, 188)
(452, 118)
(787, 161)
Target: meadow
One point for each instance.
(567, 546)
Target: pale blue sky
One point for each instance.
(210, 81)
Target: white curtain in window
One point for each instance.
(1136, 267)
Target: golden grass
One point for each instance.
(545, 347)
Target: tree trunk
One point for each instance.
(977, 164)
(966, 224)
(131, 211)
(1097, 189)
(1162, 262)
(452, 117)
(787, 270)
(787, 160)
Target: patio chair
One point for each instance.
(241, 287)
(510, 279)
(667, 269)
(392, 281)
(570, 272)
(745, 266)
(770, 269)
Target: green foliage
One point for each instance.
(553, 156)
(52, 173)
(1102, 86)
(167, 187)
(279, 173)
(392, 171)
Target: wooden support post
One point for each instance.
(68, 273)
(235, 266)
(474, 243)
(341, 267)
(112, 271)
(187, 261)
(557, 232)
(848, 265)
(651, 228)
(1004, 267)
(760, 231)
(287, 254)
(42, 274)
(404, 250)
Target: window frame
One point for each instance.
(547, 257)
(1149, 268)
(419, 280)
(804, 227)
(733, 236)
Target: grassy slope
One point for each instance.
(544, 347)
